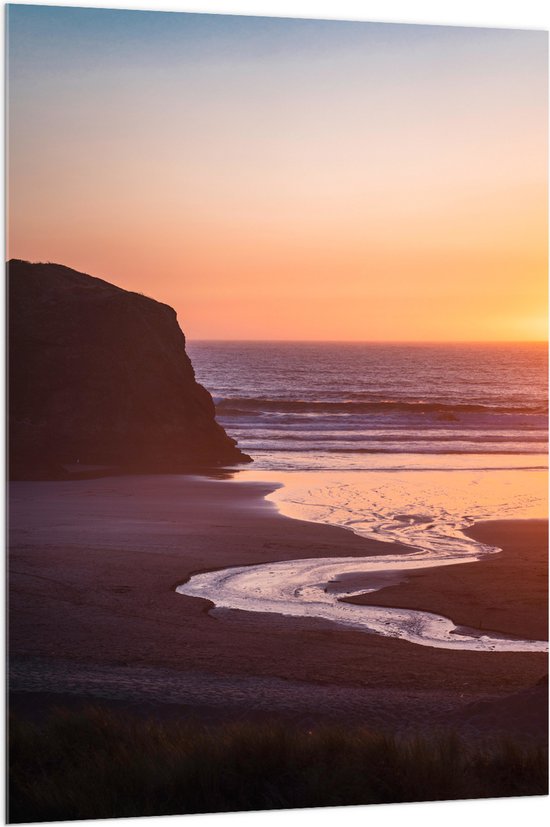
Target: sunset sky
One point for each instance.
(286, 179)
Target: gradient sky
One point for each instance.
(286, 179)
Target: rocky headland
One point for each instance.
(99, 381)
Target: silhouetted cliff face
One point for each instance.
(100, 376)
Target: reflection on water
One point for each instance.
(424, 509)
(398, 443)
(305, 406)
(298, 588)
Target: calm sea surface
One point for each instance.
(397, 442)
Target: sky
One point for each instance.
(286, 179)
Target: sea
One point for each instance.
(398, 442)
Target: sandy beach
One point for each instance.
(94, 614)
(508, 594)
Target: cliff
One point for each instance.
(99, 376)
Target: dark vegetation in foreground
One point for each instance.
(99, 764)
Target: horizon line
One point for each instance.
(376, 341)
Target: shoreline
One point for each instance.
(92, 571)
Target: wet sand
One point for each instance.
(505, 592)
(94, 613)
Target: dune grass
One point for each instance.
(99, 764)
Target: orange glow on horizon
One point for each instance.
(365, 184)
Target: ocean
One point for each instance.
(409, 443)
(329, 406)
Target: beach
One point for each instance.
(507, 595)
(94, 615)
(277, 415)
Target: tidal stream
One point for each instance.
(314, 588)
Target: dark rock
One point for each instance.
(99, 379)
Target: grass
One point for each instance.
(99, 764)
